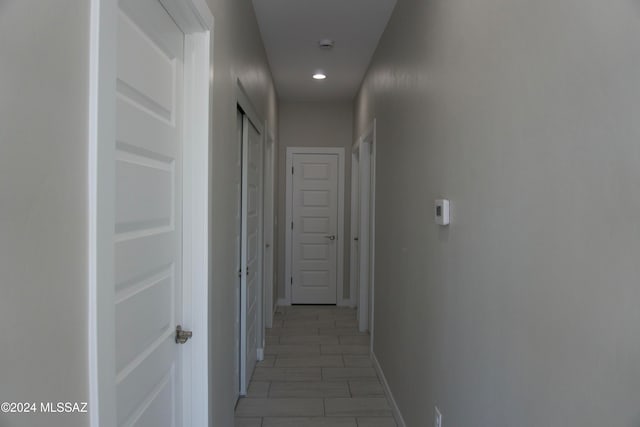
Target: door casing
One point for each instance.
(269, 258)
(363, 227)
(195, 19)
(340, 152)
(354, 263)
(246, 107)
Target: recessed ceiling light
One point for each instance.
(319, 76)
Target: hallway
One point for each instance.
(316, 373)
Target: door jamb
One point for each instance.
(340, 300)
(195, 19)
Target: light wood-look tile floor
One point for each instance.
(316, 373)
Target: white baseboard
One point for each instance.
(283, 302)
(260, 354)
(345, 303)
(387, 391)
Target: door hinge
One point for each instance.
(292, 225)
(291, 170)
(240, 273)
(292, 280)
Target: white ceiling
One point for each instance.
(291, 30)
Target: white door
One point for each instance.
(314, 229)
(363, 231)
(148, 220)
(355, 226)
(238, 257)
(269, 231)
(251, 292)
(364, 237)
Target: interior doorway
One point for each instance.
(269, 230)
(363, 227)
(250, 248)
(148, 192)
(315, 229)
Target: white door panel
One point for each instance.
(315, 228)
(364, 222)
(238, 347)
(147, 228)
(269, 231)
(252, 246)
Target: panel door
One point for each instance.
(237, 250)
(355, 225)
(147, 229)
(252, 245)
(315, 225)
(269, 232)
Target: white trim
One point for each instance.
(281, 303)
(269, 225)
(102, 120)
(196, 20)
(372, 255)
(246, 106)
(191, 16)
(197, 94)
(364, 233)
(355, 229)
(244, 381)
(243, 100)
(364, 150)
(260, 354)
(289, 215)
(397, 415)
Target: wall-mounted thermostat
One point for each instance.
(442, 212)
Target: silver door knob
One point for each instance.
(330, 237)
(182, 336)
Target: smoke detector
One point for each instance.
(326, 43)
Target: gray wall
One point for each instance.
(43, 204)
(238, 54)
(314, 124)
(524, 312)
(43, 198)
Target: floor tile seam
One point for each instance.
(295, 398)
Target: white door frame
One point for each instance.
(355, 227)
(365, 150)
(244, 103)
(340, 300)
(194, 18)
(269, 226)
